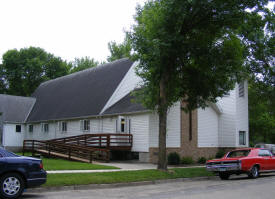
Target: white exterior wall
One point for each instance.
(242, 114)
(208, 128)
(140, 132)
(128, 84)
(173, 137)
(11, 138)
(227, 123)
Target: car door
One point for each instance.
(265, 157)
(272, 162)
(2, 163)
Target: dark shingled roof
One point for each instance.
(80, 94)
(15, 108)
(125, 105)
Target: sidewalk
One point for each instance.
(124, 166)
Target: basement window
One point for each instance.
(18, 128)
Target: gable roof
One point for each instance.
(15, 108)
(78, 95)
(125, 105)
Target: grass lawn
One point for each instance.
(51, 164)
(123, 176)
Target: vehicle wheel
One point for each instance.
(12, 186)
(254, 172)
(224, 176)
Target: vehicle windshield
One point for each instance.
(239, 153)
(5, 153)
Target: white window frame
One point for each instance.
(30, 125)
(85, 125)
(20, 126)
(127, 124)
(45, 127)
(243, 139)
(63, 126)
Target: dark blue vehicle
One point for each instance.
(18, 173)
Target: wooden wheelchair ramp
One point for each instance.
(84, 148)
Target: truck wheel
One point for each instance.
(254, 172)
(11, 186)
(224, 176)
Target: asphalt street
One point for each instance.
(236, 187)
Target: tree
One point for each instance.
(261, 112)
(119, 51)
(83, 63)
(192, 51)
(24, 70)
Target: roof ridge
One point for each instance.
(84, 71)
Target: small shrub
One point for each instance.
(187, 160)
(173, 158)
(202, 160)
(220, 153)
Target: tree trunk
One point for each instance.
(162, 161)
(190, 125)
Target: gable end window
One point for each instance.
(45, 127)
(18, 128)
(242, 138)
(241, 89)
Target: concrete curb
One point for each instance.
(115, 185)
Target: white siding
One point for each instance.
(128, 83)
(227, 123)
(242, 114)
(208, 127)
(140, 132)
(173, 137)
(11, 137)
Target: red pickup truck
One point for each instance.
(251, 161)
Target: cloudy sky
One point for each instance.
(66, 28)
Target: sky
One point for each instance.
(65, 28)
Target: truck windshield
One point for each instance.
(240, 153)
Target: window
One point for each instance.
(242, 138)
(122, 125)
(85, 125)
(239, 153)
(129, 126)
(45, 127)
(18, 128)
(241, 89)
(263, 152)
(30, 128)
(64, 126)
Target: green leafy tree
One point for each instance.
(192, 51)
(261, 112)
(119, 51)
(22, 71)
(83, 63)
